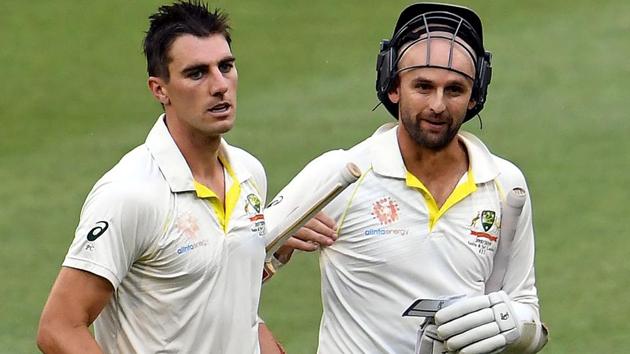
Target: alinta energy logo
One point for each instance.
(386, 211)
(188, 226)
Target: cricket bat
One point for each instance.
(511, 209)
(305, 208)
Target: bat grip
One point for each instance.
(511, 209)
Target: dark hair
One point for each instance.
(172, 21)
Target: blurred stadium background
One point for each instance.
(73, 100)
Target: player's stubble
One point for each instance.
(429, 140)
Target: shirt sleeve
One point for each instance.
(116, 226)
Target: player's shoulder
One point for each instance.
(244, 162)
(333, 160)
(509, 173)
(361, 153)
(383, 135)
(506, 166)
(135, 180)
(134, 165)
(244, 158)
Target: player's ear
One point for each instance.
(394, 95)
(471, 104)
(158, 89)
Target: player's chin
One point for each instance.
(435, 142)
(223, 126)
(214, 127)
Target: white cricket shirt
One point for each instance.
(186, 272)
(395, 245)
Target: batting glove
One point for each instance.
(478, 325)
(428, 341)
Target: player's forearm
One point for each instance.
(54, 338)
(533, 339)
(268, 344)
(534, 334)
(274, 263)
(283, 255)
(76, 299)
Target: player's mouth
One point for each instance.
(220, 108)
(434, 124)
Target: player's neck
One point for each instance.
(430, 160)
(438, 170)
(202, 156)
(201, 153)
(212, 176)
(205, 166)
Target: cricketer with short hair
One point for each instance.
(169, 250)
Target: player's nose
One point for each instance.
(436, 102)
(218, 83)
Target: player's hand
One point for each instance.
(317, 232)
(482, 324)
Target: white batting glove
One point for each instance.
(478, 325)
(428, 341)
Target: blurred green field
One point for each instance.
(73, 100)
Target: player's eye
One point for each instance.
(454, 90)
(196, 74)
(225, 67)
(423, 86)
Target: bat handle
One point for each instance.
(516, 198)
(511, 209)
(351, 173)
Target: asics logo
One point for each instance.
(97, 231)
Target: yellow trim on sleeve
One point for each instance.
(231, 196)
(345, 211)
(460, 192)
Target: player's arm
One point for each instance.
(330, 173)
(76, 299)
(268, 343)
(507, 320)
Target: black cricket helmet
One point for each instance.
(432, 20)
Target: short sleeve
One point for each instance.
(116, 226)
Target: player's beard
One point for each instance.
(432, 141)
